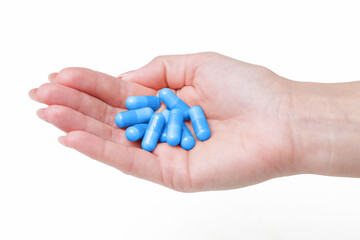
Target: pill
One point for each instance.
(135, 132)
(166, 113)
(199, 122)
(131, 117)
(136, 102)
(187, 139)
(176, 119)
(153, 132)
(172, 101)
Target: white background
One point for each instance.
(48, 191)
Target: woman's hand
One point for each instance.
(248, 107)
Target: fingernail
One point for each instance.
(32, 94)
(40, 113)
(52, 76)
(121, 76)
(61, 140)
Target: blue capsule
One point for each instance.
(176, 120)
(153, 132)
(187, 139)
(135, 132)
(128, 118)
(136, 102)
(166, 114)
(172, 101)
(200, 125)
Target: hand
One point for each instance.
(248, 108)
(243, 103)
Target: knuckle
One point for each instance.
(69, 75)
(159, 59)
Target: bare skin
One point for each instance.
(263, 125)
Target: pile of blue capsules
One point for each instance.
(167, 126)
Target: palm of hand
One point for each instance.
(244, 105)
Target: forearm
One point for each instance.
(325, 121)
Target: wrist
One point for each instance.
(325, 125)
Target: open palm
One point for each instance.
(246, 107)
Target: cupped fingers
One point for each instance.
(56, 94)
(69, 120)
(109, 89)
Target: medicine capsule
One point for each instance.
(176, 119)
(172, 101)
(187, 139)
(199, 122)
(166, 113)
(135, 132)
(136, 102)
(153, 132)
(128, 118)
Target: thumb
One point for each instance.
(170, 71)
